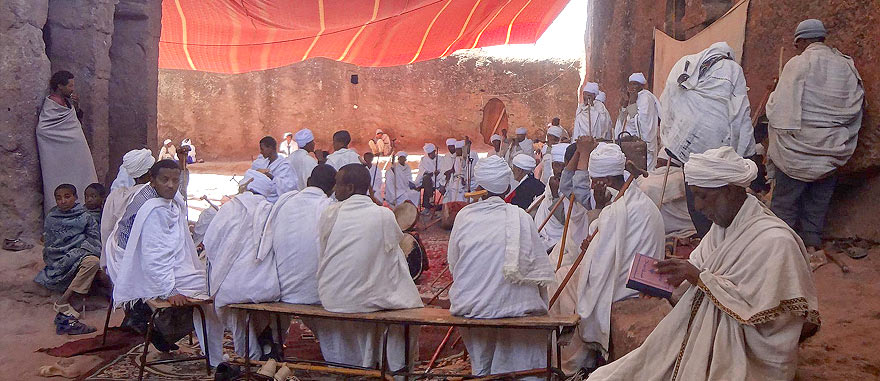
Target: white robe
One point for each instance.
(428, 166)
(114, 208)
(376, 181)
(629, 226)
(592, 121)
(397, 190)
(283, 176)
(342, 157)
(287, 147)
(500, 270)
(676, 218)
(552, 231)
(644, 124)
(302, 164)
(361, 268)
(160, 260)
(744, 319)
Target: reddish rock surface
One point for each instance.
(632, 320)
(226, 115)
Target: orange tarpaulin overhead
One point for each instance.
(236, 36)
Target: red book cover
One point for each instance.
(644, 278)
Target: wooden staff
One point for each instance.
(565, 231)
(325, 369)
(497, 123)
(665, 178)
(437, 295)
(438, 350)
(535, 204)
(205, 197)
(549, 216)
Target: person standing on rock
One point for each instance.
(65, 157)
(815, 114)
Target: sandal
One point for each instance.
(16, 244)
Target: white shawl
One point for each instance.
(283, 176)
(302, 164)
(592, 121)
(397, 189)
(676, 218)
(643, 124)
(343, 157)
(114, 208)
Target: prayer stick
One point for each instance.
(325, 369)
(550, 215)
(205, 197)
(438, 350)
(565, 231)
(437, 295)
(432, 223)
(535, 204)
(445, 269)
(665, 178)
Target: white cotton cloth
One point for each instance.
(303, 137)
(459, 144)
(260, 183)
(638, 77)
(495, 138)
(744, 319)
(343, 157)
(302, 165)
(284, 178)
(629, 226)
(166, 142)
(401, 154)
(428, 148)
(291, 238)
(601, 97)
(397, 185)
(592, 120)
(202, 224)
(592, 88)
(719, 167)
(676, 218)
(286, 148)
(376, 182)
(122, 180)
(815, 113)
(521, 131)
(642, 122)
(65, 157)
(456, 186)
(428, 166)
(578, 231)
(555, 131)
(138, 162)
(493, 174)
(709, 109)
(558, 152)
(114, 207)
(552, 231)
(451, 141)
(607, 160)
(525, 162)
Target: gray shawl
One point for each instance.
(69, 236)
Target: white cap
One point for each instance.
(521, 131)
(303, 137)
(601, 96)
(555, 131)
(459, 144)
(607, 159)
(592, 88)
(166, 142)
(429, 148)
(378, 131)
(286, 134)
(451, 141)
(638, 77)
(524, 162)
(401, 153)
(558, 152)
(495, 137)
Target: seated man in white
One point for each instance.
(501, 269)
(551, 234)
(342, 155)
(361, 268)
(301, 160)
(236, 274)
(159, 259)
(626, 226)
(275, 167)
(676, 218)
(399, 187)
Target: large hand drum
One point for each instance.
(415, 254)
(406, 215)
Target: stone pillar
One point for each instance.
(24, 68)
(78, 36)
(134, 78)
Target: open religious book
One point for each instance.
(643, 277)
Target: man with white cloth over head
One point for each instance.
(361, 268)
(399, 187)
(554, 137)
(160, 260)
(135, 169)
(524, 187)
(552, 232)
(300, 161)
(640, 115)
(749, 296)
(518, 144)
(815, 115)
(628, 226)
(236, 274)
(501, 270)
(591, 117)
(275, 167)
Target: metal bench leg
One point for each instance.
(382, 362)
(147, 337)
(107, 322)
(406, 352)
(549, 355)
(205, 339)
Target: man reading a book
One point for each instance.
(627, 225)
(749, 297)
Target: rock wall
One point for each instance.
(78, 36)
(226, 115)
(24, 68)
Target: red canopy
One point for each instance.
(236, 36)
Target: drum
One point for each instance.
(406, 215)
(416, 256)
(450, 210)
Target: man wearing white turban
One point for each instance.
(168, 151)
(399, 186)
(495, 141)
(288, 145)
(135, 170)
(237, 274)
(555, 134)
(525, 187)
(458, 173)
(625, 227)
(446, 163)
(552, 232)
(591, 117)
(749, 297)
(501, 270)
(815, 115)
(640, 116)
(518, 144)
(276, 168)
(429, 169)
(300, 160)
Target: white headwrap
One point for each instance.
(166, 142)
(525, 162)
(451, 141)
(592, 88)
(495, 138)
(638, 77)
(558, 152)
(718, 167)
(601, 96)
(493, 174)
(429, 148)
(555, 131)
(303, 137)
(459, 144)
(521, 131)
(378, 131)
(137, 162)
(401, 154)
(261, 183)
(607, 160)
(286, 134)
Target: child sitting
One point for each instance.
(95, 195)
(72, 246)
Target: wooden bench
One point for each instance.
(417, 317)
